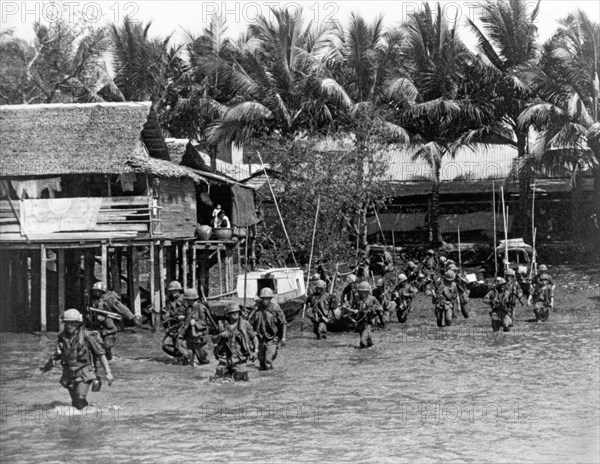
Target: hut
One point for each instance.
(87, 192)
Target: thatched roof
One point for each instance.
(54, 139)
(163, 168)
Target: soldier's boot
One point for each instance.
(464, 311)
(109, 354)
(241, 376)
(439, 316)
(449, 316)
(506, 323)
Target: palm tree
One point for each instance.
(432, 100)
(566, 112)
(507, 45)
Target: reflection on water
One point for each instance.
(461, 394)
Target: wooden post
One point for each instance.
(162, 274)
(184, 264)
(180, 265)
(88, 273)
(172, 262)
(194, 268)
(253, 248)
(203, 273)
(115, 269)
(105, 265)
(133, 271)
(227, 276)
(220, 269)
(60, 270)
(43, 321)
(152, 276)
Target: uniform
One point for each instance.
(195, 334)
(444, 297)
(498, 298)
(403, 295)
(514, 293)
(385, 301)
(173, 317)
(268, 321)
(235, 344)
(110, 301)
(77, 355)
(368, 312)
(349, 294)
(429, 265)
(543, 298)
(107, 329)
(320, 307)
(463, 292)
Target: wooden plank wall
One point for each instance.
(178, 213)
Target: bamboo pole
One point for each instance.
(194, 267)
(504, 210)
(43, 320)
(162, 274)
(394, 254)
(312, 247)
(246, 265)
(277, 207)
(459, 252)
(184, 265)
(104, 265)
(220, 269)
(60, 270)
(152, 277)
(379, 223)
(495, 229)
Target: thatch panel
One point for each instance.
(70, 138)
(178, 215)
(154, 139)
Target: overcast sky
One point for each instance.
(179, 16)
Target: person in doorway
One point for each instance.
(221, 221)
(269, 323)
(78, 350)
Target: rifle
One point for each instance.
(115, 316)
(209, 317)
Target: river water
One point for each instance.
(420, 395)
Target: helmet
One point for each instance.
(72, 315)
(430, 251)
(500, 281)
(190, 294)
(379, 282)
(174, 286)
(364, 287)
(232, 308)
(449, 275)
(450, 261)
(99, 286)
(266, 293)
(351, 278)
(320, 284)
(442, 259)
(315, 276)
(542, 268)
(411, 264)
(452, 267)
(402, 278)
(544, 277)
(510, 272)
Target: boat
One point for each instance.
(287, 284)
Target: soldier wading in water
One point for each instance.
(78, 349)
(367, 312)
(235, 345)
(269, 323)
(320, 307)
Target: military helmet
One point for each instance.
(232, 308)
(99, 286)
(174, 286)
(72, 315)
(545, 277)
(190, 294)
(542, 268)
(315, 276)
(364, 287)
(411, 264)
(351, 278)
(430, 251)
(451, 261)
(379, 282)
(510, 272)
(449, 275)
(500, 281)
(266, 293)
(320, 284)
(452, 267)
(402, 278)
(442, 259)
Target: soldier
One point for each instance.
(235, 345)
(429, 265)
(543, 298)
(320, 307)
(268, 321)
(386, 303)
(463, 291)
(497, 299)
(444, 296)
(514, 293)
(367, 311)
(106, 328)
(412, 273)
(110, 301)
(172, 319)
(542, 269)
(403, 295)
(194, 329)
(349, 294)
(78, 350)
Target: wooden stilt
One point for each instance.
(172, 262)
(184, 265)
(152, 277)
(203, 273)
(227, 276)
(180, 265)
(161, 274)
(133, 274)
(220, 269)
(105, 265)
(195, 267)
(60, 270)
(115, 269)
(89, 264)
(43, 321)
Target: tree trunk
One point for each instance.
(521, 224)
(212, 152)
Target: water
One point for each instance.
(530, 395)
